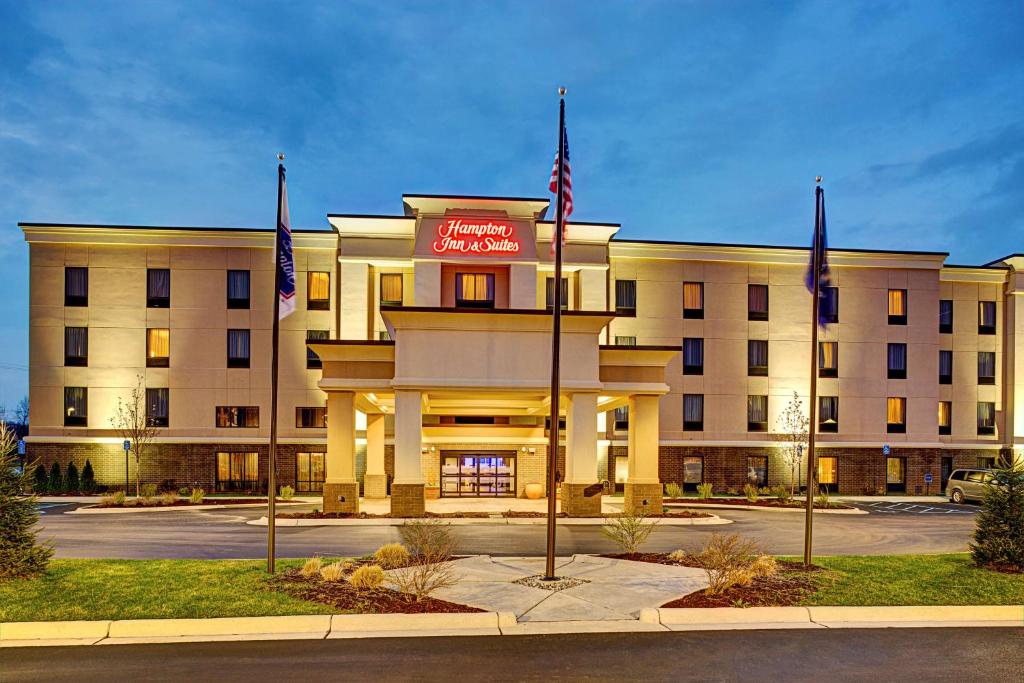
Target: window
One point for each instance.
(76, 346)
(238, 348)
(158, 347)
(946, 316)
(391, 289)
(828, 359)
(549, 294)
(945, 367)
(156, 407)
(238, 289)
(828, 414)
(318, 291)
(828, 472)
(158, 288)
(986, 418)
(757, 302)
(693, 412)
(895, 475)
(309, 472)
(625, 297)
(475, 290)
(693, 356)
(757, 470)
(757, 357)
(76, 406)
(897, 307)
(986, 367)
(945, 417)
(693, 472)
(757, 413)
(76, 286)
(237, 472)
(897, 361)
(986, 317)
(829, 305)
(896, 415)
(621, 419)
(384, 335)
(238, 416)
(311, 418)
(693, 300)
(313, 360)
(621, 340)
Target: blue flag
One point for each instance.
(819, 247)
(285, 258)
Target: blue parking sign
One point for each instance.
(886, 450)
(127, 445)
(928, 477)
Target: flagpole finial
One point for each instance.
(280, 156)
(561, 92)
(817, 179)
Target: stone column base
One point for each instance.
(375, 486)
(407, 500)
(642, 499)
(576, 504)
(341, 497)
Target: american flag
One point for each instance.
(566, 187)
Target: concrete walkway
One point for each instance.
(492, 505)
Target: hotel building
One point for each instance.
(417, 363)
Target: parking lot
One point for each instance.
(897, 508)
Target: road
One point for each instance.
(223, 534)
(929, 654)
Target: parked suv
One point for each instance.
(968, 484)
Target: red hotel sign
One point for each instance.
(475, 236)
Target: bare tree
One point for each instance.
(21, 414)
(793, 424)
(131, 423)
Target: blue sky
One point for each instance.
(702, 121)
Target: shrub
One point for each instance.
(678, 555)
(369, 576)
(999, 532)
(147, 490)
(55, 484)
(764, 566)
(148, 501)
(169, 498)
(432, 546)
(727, 561)
(287, 493)
(311, 567)
(704, 490)
(673, 490)
(428, 538)
(750, 491)
(391, 556)
(112, 499)
(88, 478)
(332, 572)
(40, 482)
(196, 497)
(20, 553)
(823, 499)
(629, 531)
(782, 494)
(71, 481)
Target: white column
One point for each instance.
(581, 439)
(340, 467)
(643, 439)
(408, 437)
(375, 481)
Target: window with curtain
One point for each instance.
(76, 346)
(76, 286)
(828, 359)
(238, 416)
(238, 348)
(625, 297)
(157, 401)
(896, 415)
(391, 289)
(828, 472)
(313, 360)
(693, 356)
(158, 288)
(986, 317)
(475, 290)
(237, 472)
(945, 417)
(757, 470)
(623, 340)
(309, 472)
(945, 367)
(897, 307)
(986, 367)
(238, 289)
(318, 291)
(549, 293)
(946, 316)
(621, 418)
(693, 300)
(829, 304)
(693, 412)
(313, 417)
(158, 347)
(757, 413)
(828, 414)
(986, 418)
(757, 302)
(693, 471)
(76, 406)
(757, 357)
(897, 357)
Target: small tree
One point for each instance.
(88, 478)
(793, 425)
(55, 484)
(131, 423)
(71, 482)
(40, 483)
(20, 554)
(999, 532)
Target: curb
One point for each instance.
(723, 506)
(168, 508)
(490, 521)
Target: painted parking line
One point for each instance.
(917, 509)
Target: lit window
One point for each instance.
(311, 418)
(945, 417)
(828, 472)
(623, 340)
(391, 289)
(828, 359)
(238, 416)
(76, 402)
(693, 299)
(158, 347)
(309, 472)
(474, 290)
(318, 291)
(757, 470)
(896, 415)
(897, 307)
(237, 472)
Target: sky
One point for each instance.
(691, 121)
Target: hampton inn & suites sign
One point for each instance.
(475, 236)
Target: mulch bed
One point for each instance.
(369, 515)
(762, 503)
(528, 514)
(187, 503)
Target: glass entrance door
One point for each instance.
(896, 475)
(478, 475)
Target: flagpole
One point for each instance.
(812, 424)
(556, 343)
(272, 474)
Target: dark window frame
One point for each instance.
(75, 361)
(622, 309)
(987, 380)
(620, 340)
(828, 427)
(693, 369)
(158, 361)
(833, 314)
(754, 314)
(76, 300)
(828, 372)
(751, 467)
(241, 415)
(490, 284)
(76, 420)
(693, 425)
(238, 303)
(313, 361)
(310, 485)
(158, 420)
(987, 430)
(303, 411)
(247, 484)
(157, 301)
(239, 361)
(757, 370)
(947, 378)
(694, 313)
(896, 373)
(899, 319)
(317, 304)
(896, 427)
(549, 293)
(758, 426)
(988, 329)
(946, 328)
(380, 285)
(947, 429)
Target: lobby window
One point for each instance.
(76, 406)
(313, 360)
(76, 346)
(238, 416)
(311, 417)
(238, 289)
(391, 289)
(757, 413)
(986, 418)
(624, 340)
(693, 300)
(693, 356)
(897, 356)
(158, 347)
(621, 423)
(895, 474)
(986, 367)
(693, 412)
(625, 297)
(945, 417)
(757, 357)
(828, 359)
(549, 293)
(828, 414)
(237, 472)
(309, 472)
(945, 367)
(76, 286)
(896, 415)
(828, 472)
(897, 307)
(158, 288)
(946, 316)
(693, 472)
(757, 470)
(474, 290)
(318, 291)
(157, 401)
(986, 317)
(829, 305)
(757, 302)
(238, 348)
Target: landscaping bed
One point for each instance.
(762, 502)
(182, 502)
(316, 514)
